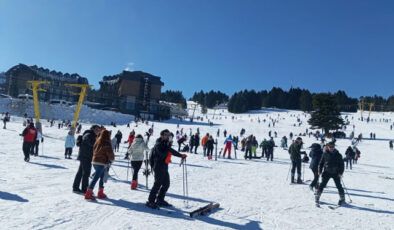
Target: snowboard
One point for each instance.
(203, 210)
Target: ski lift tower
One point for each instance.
(82, 95)
(35, 89)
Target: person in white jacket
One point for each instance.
(70, 142)
(136, 152)
(34, 147)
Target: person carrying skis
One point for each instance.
(29, 136)
(331, 166)
(227, 148)
(295, 156)
(203, 142)
(136, 152)
(69, 144)
(102, 156)
(130, 141)
(315, 153)
(349, 156)
(85, 155)
(159, 160)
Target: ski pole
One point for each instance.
(113, 170)
(187, 185)
(288, 173)
(303, 171)
(350, 199)
(128, 167)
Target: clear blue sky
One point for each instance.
(209, 44)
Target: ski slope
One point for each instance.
(252, 194)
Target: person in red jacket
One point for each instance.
(29, 136)
(130, 141)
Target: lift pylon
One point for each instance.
(82, 95)
(35, 89)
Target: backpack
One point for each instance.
(79, 140)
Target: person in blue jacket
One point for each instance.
(70, 142)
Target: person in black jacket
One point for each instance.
(350, 154)
(196, 142)
(160, 158)
(181, 141)
(191, 143)
(85, 155)
(315, 153)
(118, 137)
(331, 166)
(209, 144)
(295, 157)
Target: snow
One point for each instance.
(63, 112)
(252, 194)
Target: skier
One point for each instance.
(118, 137)
(191, 143)
(225, 133)
(357, 154)
(85, 155)
(391, 144)
(349, 156)
(159, 160)
(69, 144)
(270, 149)
(228, 142)
(102, 156)
(136, 152)
(331, 166)
(29, 136)
(203, 142)
(315, 153)
(295, 156)
(243, 144)
(264, 146)
(210, 142)
(130, 141)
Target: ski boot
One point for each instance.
(311, 187)
(134, 185)
(101, 194)
(89, 195)
(341, 199)
(163, 203)
(152, 205)
(317, 198)
(299, 181)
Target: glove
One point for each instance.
(184, 156)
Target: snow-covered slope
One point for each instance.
(62, 112)
(252, 194)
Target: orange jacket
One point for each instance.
(204, 140)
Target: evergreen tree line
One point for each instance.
(209, 99)
(173, 97)
(295, 98)
(301, 99)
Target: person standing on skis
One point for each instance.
(159, 160)
(331, 166)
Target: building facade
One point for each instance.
(133, 92)
(17, 77)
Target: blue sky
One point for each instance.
(209, 44)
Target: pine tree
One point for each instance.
(326, 115)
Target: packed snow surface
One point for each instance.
(253, 194)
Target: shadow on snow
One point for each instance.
(10, 196)
(48, 165)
